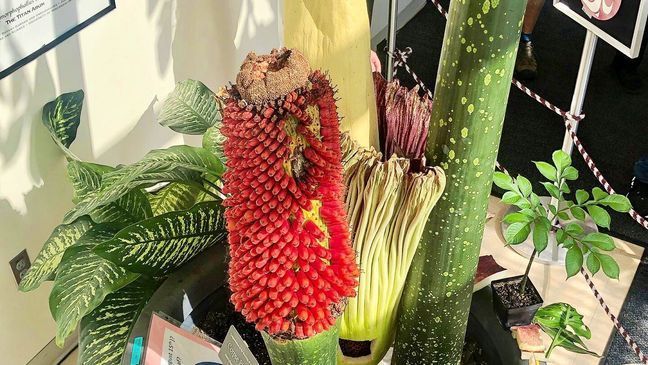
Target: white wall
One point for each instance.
(126, 62)
(407, 9)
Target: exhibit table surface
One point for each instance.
(551, 282)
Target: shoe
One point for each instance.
(526, 66)
(629, 79)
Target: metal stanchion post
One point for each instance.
(555, 254)
(391, 37)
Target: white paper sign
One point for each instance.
(30, 27)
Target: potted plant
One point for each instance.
(516, 299)
(124, 237)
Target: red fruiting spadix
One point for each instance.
(291, 263)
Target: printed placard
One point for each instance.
(169, 345)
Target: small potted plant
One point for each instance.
(516, 299)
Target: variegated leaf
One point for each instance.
(177, 163)
(86, 178)
(83, 280)
(213, 141)
(160, 244)
(62, 116)
(49, 257)
(105, 331)
(191, 108)
(175, 196)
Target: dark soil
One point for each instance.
(216, 314)
(355, 348)
(473, 353)
(509, 294)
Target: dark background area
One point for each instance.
(614, 131)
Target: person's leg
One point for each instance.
(531, 15)
(526, 66)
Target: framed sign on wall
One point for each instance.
(620, 23)
(28, 28)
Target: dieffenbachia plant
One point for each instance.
(471, 93)
(291, 266)
(564, 325)
(536, 219)
(120, 240)
(334, 35)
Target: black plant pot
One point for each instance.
(510, 309)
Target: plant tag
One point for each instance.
(235, 351)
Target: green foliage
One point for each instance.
(191, 108)
(104, 331)
(565, 326)
(160, 244)
(62, 117)
(535, 219)
(118, 237)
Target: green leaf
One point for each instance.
(503, 181)
(563, 216)
(105, 331)
(561, 235)
(62, 117)
(86, 178)
(516, 217)
(517, 232)
(175, 196)
(510, 197)
(609, 265)
(600, 216)
(581, 196)
(565, 326)
(160, 244)
(524, 184)
(213, 141)
(49, 257)
(564, 187)
(551, 189)
(573, 261)
(191, 108)
(546, 169)
(593, 264)
(540, 236)
(599, 194)
(83, 281)
(553, 209)
(177, 163)
(561, 160)
(570, 173)
(600, 240)
(617, 202)
(574, 229)
(578, 213)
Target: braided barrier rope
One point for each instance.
(622, 331)
(401, 61)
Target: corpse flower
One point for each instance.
(291, 266)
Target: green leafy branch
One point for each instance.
(538, 220)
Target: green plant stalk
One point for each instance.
(320, 349)
(471, 93)
(525, 278)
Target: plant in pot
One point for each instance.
(516, 299)
(123, 238)
(564, 325)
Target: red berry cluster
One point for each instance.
(291, 262)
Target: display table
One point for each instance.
(550, 282)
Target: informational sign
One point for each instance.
(169, 345)
(620, 23)
(29, 28)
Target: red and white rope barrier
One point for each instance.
(622, 331)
